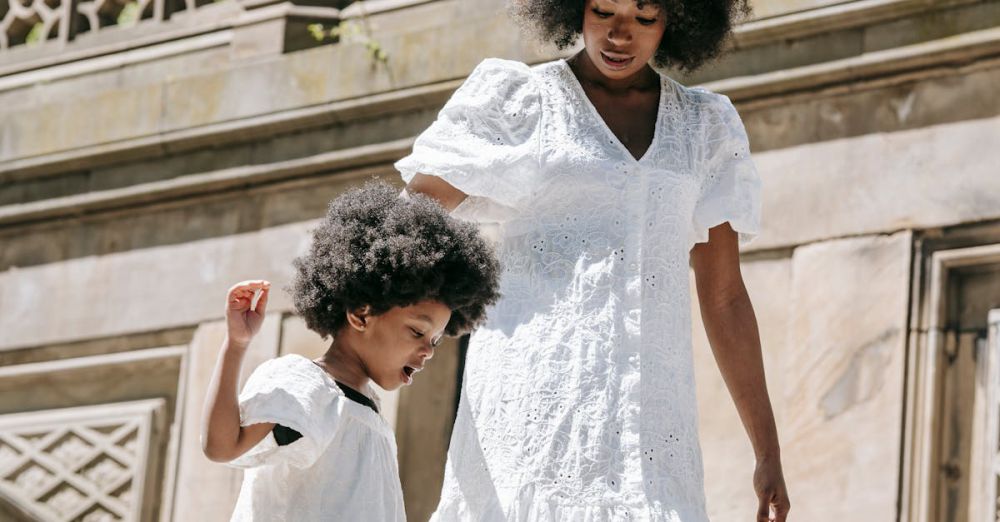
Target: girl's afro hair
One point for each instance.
(695, 34)
(377, 249)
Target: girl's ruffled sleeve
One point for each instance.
(730, 185)
(485, 140)
(287, 391)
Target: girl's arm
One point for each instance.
(223, 439)
(732, 332)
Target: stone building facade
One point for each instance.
(152, 152)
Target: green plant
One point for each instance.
(129, 14)
(36, 35)
(350, 31)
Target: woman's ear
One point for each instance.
(358, 318)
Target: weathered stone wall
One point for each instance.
(140, 178)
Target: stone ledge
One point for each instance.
(186, 41)
(900, 63)
(225, 132)
(832, 18)
(199, 184)
(372, 7)
(952, 51)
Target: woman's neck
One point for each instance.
(343, 363)
(586, 72)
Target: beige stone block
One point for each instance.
(843, 378)
(728, 455)
(84, 119)
(924, 178)
(832, 321)
(207, 490)
(143, 290)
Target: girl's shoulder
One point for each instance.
(294, 374)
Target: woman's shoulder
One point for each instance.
(495, 73)
(699, 101)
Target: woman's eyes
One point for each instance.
(605, 14)
(416, 333)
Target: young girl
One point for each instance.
(607, 181)
(386, 278)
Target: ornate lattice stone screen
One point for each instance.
(88, 463)
(37, 21)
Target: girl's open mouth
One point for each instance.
(408, 372)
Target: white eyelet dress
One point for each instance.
(343, 467)
(578, 400)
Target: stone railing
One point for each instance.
(41, 33)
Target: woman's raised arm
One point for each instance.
(436, 188)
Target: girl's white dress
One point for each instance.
(343, 468)
(578, 400)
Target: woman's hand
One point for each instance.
(243, 319)
(769, 484)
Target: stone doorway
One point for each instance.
(950, 460)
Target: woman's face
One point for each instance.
(399, 342)
(620, 37)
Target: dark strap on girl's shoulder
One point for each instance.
(284, 435)
(357, 396)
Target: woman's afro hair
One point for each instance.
(695, 33)
(377, 249)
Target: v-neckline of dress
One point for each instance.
(579, 90)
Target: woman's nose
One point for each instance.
(427, 351)
(618, 34)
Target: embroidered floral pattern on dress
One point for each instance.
(578, 397)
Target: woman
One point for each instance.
(605, 182)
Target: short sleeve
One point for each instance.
(730, 184)
(291, 392)
(485, 139)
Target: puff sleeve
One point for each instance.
(485, 140)
(289, 391)
(730, 184)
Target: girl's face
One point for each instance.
(396, 344)
(620, 37)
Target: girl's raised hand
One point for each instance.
(244, 313)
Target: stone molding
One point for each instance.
(836, 17)
(901, 64)
(922, 57)
(372, 7)
(172, 142)
(750, 34)
(199, 184)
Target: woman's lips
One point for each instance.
(616, 61)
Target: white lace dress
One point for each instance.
(343, 467)
(578, 400)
